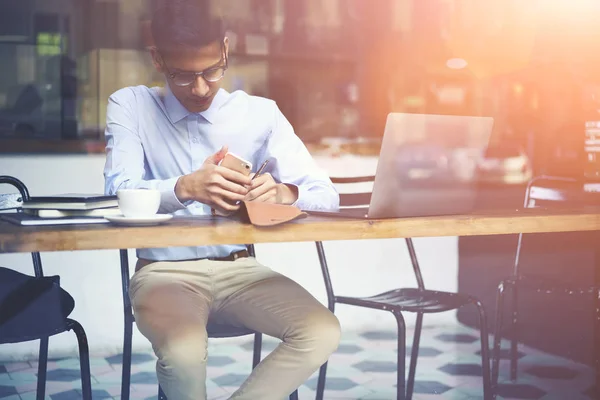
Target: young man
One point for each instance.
(172, 139)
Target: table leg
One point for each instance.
(128, 328)
(597, 313)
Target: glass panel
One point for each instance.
(336, 68)
(30, 92)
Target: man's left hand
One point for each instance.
(264, 189)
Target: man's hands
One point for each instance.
(221, 188)
(216, 186)
(264, 189)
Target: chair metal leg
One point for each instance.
(84, 359)
(485, 352)
(597, 341)
(500, 298)
(126, 363)
(161, 394)
(597, 315)
(412, 370)
(514, 340)
(42, 369)
(127, 328)
(401, 377)
(257, 355)
(321, 382)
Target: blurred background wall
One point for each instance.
(336, 69)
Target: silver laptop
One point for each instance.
(427, 166)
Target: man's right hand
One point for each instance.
(219, 187)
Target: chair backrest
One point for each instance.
(353, 198)
(553, 192)
(356, 192)
(12, 201)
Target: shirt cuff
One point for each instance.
(317, 200)
(302, 192)
(169, 203)
(295, 204)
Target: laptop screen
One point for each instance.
(429, 164)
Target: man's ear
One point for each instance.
(157, 60)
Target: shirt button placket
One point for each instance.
(195, 156)
(196, 147)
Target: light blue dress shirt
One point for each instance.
(152, 140)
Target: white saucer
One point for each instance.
(143, 221)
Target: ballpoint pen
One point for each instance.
(260, 170)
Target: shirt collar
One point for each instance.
(218, 101)
(177, 111)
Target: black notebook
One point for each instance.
(70, 201)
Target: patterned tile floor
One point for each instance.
(363, 368)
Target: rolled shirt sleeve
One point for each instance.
(124, 167)
(293, 165)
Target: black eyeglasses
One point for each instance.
(212, 75)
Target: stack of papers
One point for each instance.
(63, 209)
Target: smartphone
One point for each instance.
(236, 163)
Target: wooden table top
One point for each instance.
(197, 231)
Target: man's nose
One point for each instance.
(200, 87)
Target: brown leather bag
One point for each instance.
(266, 214)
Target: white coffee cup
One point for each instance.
(138, 203)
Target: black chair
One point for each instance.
(213, 330)
(36, 307)
(542, 192)
(417, 300)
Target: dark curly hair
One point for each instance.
(186, 24)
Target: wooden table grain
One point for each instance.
(196, 231)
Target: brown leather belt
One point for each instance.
(141, 263)
(232, 257)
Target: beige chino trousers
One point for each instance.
(173, 302)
